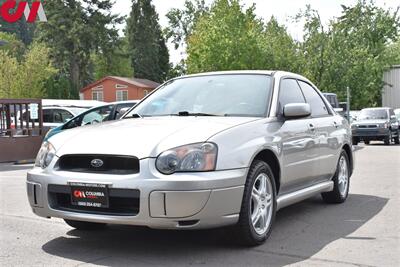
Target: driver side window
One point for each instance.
(289, 93)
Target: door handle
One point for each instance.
(311, 127)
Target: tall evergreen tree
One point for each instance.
(75, 30)
(149, 53)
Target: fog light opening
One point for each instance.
(187, 223)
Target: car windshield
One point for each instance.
(373, 114)
(212, 95)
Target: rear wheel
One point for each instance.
(258, 206)
(397, 138)
(341, 181)
(366, 142)
(85, 225)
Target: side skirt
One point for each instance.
(297, 196)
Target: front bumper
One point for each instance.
(182, 200)
(371, 133)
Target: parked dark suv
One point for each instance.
(376, 124)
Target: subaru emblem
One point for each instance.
(97, 163)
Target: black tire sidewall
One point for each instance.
(257, 168)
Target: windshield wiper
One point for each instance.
(187, 114)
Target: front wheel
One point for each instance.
(355, 141)
(85, 225)
(341, 181)
(258, 205)
(388, 139)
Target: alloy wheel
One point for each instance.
(261, 204)
(343, 176)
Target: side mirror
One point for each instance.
(296, 110)
(338, 110)
(393, 117)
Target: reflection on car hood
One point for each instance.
(145, 137)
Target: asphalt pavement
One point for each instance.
(364, 231)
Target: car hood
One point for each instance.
(144, 137)
(368, 122)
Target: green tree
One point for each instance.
(280, 51)
(315, 47)
(359, 40)
(75, 30)
(26, 78)
(149, 54)
(226, 38)
(182, 21)
(113, 63)
(12, 45)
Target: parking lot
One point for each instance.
(365, 231)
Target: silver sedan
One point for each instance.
(201, 151)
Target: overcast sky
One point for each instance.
(283, 10)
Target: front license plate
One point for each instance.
(89, 195)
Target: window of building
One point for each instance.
(122, 95)
(145, 92)
(97, 95)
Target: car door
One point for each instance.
(298, 139)
(328, 129)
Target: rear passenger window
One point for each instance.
(289, 93)
(48, 115)
(318, 107)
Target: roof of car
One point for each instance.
(71, 103)
(125, 102)
(266, 72)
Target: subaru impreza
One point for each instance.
(201, 151)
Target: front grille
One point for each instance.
(111, 164)
(122, 202)
(367, 126)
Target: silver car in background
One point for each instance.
(202, 151)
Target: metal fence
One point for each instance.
(21, 129)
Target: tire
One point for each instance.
(340, 191)
(355, 141)
(388, 139)
(88, 226)
(366, 142)
(397, 138)
(261, 205)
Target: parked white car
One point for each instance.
(202, 151)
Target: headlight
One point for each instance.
(386, 125)
(190, 158)
(45, 155)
